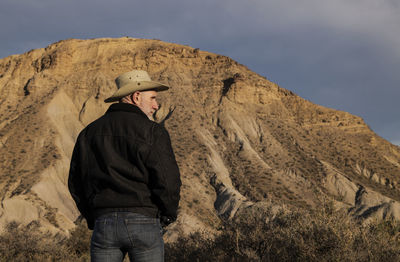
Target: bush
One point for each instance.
(326, 235)
(29, 244)
(258, 233)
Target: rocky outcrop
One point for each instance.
(362, 202)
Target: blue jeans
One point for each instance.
(118, 233)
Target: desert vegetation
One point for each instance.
(256, 234)
(264, 235)
(28, 243)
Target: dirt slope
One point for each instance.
(238, 138)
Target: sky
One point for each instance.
(342, 54)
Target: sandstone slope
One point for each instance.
(239, 139)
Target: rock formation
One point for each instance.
(239, 139)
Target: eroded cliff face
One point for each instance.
(238, 138)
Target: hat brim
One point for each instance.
(136, 86)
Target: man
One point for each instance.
(124, 177)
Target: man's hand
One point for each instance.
(165, 221)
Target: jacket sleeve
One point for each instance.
(76, 181)
(164, 176)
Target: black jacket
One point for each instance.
(124, 162)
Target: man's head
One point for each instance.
(137, 88)
(145, 100)
(136, 80)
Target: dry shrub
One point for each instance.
(79, 242)
(257, 234)
(27, 243)
(262, 235)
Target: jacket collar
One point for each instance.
(125, 107)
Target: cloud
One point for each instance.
(343, 54)
(378, 20)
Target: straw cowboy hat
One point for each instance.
(136, 80)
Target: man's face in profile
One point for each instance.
(147, 102)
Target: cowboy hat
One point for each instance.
(130, 82)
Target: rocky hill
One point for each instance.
(239, 139)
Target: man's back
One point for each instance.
(122, 157)
(123, 175)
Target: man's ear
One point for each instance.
(135, 97)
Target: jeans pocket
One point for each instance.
(145, 236)
(103, 233)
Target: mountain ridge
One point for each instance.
(229, 124)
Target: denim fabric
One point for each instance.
(118, 233)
